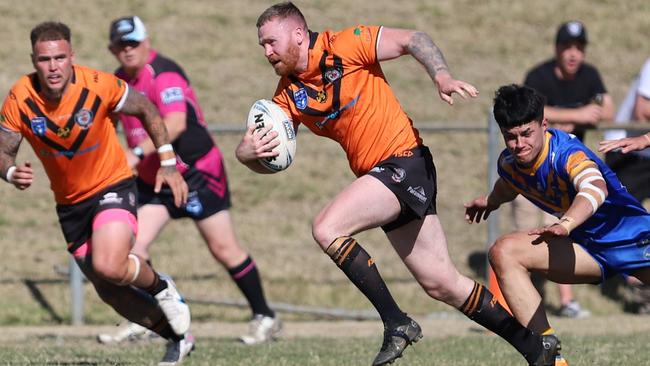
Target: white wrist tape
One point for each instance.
(165, 148)
(567, 222)
(168, 162)
(10, 173)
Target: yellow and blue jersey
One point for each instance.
(548, 184)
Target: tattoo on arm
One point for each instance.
(139, 106)
(422, 48)
(9, 143)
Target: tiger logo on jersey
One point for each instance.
(84, 118)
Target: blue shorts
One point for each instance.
(624, 258)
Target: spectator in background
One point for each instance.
(165, 84)
(633, 167)
(576, 100)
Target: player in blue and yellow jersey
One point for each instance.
(602, 230)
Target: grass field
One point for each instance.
(486, 43)
(453, 341)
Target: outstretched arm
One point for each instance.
(139, 106)
(592, 192)
(480, 208)
(626, 145)
(397, 42)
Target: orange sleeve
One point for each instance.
(358, 45)
(10, 115)
(114, 89)
(108, 86)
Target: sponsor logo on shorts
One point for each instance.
(646, 251)
(110, 198)
(171, 95)
(398, 175)
(300, 98)
(377, 169)
(84, 118)
(38, 126)
(418, 192)
(194, 206)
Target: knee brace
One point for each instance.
(132, 271)
(340, 248)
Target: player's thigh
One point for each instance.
(364, 204)
(422, 246)
(152, 218)
(557, 259)
(218, 232)
(111, 244)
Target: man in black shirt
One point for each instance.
(576, 98)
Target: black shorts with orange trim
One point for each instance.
(76, 220)
(411, 176)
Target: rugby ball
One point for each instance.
(264, 113)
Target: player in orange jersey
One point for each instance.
(332, 83)
(64, 111)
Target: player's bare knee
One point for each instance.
(323, 234)
(119, 274)
(441, 289)
(503, 253)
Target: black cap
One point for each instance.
(127, 29)
(573, 31)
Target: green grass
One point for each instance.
(482, 350)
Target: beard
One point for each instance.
(288, 63)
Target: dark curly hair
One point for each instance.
(516, 105)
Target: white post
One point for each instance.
(76, 293)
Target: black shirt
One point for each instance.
(566, 93)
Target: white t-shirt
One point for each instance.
(640, 86)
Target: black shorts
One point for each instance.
(208, 194)
(411, 176)
(76, 220)
(633, 171)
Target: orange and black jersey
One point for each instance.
(75, 138)
(344, 95)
